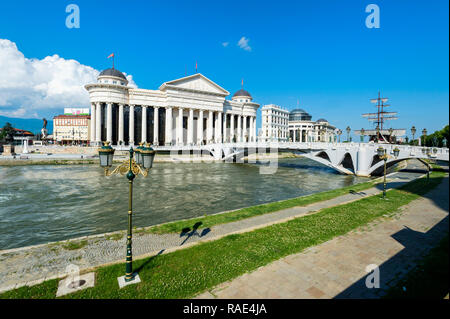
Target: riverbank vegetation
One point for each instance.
(190, 271)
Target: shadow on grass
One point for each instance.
(418, 186)
(149, 260)
(357, 193)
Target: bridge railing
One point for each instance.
(304, 145)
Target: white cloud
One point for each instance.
(28, 86)
(225, 44)
(243, 44)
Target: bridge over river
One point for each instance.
(360, 159)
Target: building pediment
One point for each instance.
(195, 83)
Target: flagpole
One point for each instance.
(112, 55)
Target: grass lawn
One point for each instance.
(187, 272)
(222, 218)
(429, 279)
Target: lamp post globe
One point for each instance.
(396, 152)
(380, 151)
(147, 156)
(106, 154)
(137, 154)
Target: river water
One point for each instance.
(45, 203)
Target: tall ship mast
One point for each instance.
(381, 134)
(381, 116)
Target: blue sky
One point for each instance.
(318, 52)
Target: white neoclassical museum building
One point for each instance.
(280, 125)
(189, 111)
(303, 129)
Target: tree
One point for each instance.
(7, 133)
(437, 138)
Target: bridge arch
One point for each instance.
(324, 155)
(375, 160)
(378, 168)
(347, 162)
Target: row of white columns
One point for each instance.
(301, 139)
(213, 135)
(313, 136)
(213, 132)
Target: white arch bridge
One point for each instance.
(360, 159)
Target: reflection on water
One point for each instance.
(39, 204)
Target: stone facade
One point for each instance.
(71, 129)
(275, 123)
(187, 111)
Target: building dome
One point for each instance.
(112, 72)
(242, 92)
(242, 96)
(299, 115)
(321, 120)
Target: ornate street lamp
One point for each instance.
(424, 134)
(362, 134)
(381, 152)
(427, 151)
(130, 168)
(413, 132)
(382, 155)
(348, 129)
(339, 132)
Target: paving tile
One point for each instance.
(315, 292)
(337, 268)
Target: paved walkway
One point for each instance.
(337, 268)
(31, 265)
